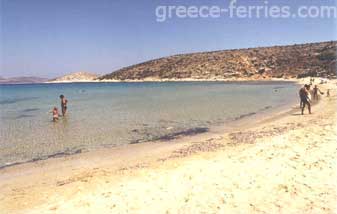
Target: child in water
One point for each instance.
(55, 114)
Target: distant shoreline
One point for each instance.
(178, 80)
(161, 80)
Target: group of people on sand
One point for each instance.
(55, 111)
(306, 96)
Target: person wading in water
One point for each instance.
(64, 103)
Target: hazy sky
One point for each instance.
(52, 37)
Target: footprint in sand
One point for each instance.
(106, 194)
(53, 208)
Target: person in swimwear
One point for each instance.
(305, 98)
(316, 90)
(55, 114)
(64, 103)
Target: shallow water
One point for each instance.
(110, 114)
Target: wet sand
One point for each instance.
(283, 164)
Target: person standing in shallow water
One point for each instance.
(64, 103)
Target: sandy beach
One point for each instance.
(282, 164)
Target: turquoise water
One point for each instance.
(111, 114)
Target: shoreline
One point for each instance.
(76, 172)
(183, 80)
(245, 120)
(154, 80)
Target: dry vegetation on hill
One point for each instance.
(315, 59)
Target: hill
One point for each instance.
(22, 80)
(76, 77)
(314, 59)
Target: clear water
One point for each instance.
(110, 114)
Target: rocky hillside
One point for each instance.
(76, 77)
(315, 59)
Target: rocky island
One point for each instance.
(75, 77)
(22, 80)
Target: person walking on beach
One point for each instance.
(305, 98)
(316, 90)
(302, 94)
(64, 103)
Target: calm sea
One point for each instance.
(112, 114)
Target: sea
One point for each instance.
(114, 114)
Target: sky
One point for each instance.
(50, 38)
